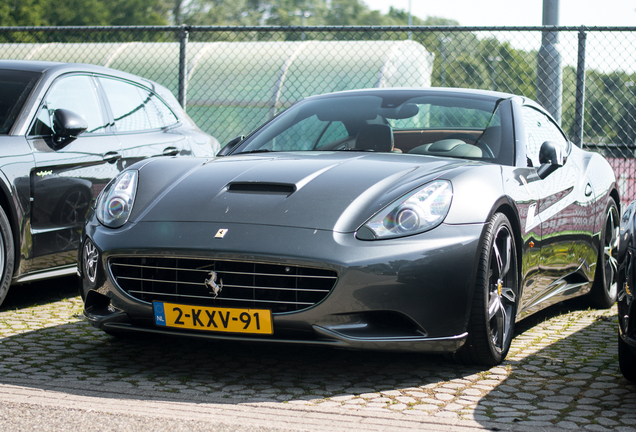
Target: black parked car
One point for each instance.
(626, 303)
(405, 219)
(65, 131)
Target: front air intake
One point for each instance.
(280, 288)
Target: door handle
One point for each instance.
(588, 190)
(111, 156)
(170, 151)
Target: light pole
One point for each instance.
(494, 61)
(444, 41)
(549, 73)
(410, 21)
(303, 15)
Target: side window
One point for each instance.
(76, 93)
(540, 128)
(136, 108)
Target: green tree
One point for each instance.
(296, 12)
(137, 12)
(84, 12)
(76, 13)
(401, 17)
(351, 12)
(21, 13)
(222, 12)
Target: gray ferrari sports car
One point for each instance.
(426, 220)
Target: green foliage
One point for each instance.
(76, 13)
(22, 13)
(84, 12)
(137, 12)
(610, 107)
(220, 12)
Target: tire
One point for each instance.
(7, 255)
(494, 306)
(604, 288)
(626, 360)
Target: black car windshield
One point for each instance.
(16, 87)
(450, 125)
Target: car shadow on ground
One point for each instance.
(40, 293)
(562, 369)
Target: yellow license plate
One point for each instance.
(215, 319)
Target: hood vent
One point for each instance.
(262, 187)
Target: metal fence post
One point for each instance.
(183, 65)
(579, 107)
(549, 73)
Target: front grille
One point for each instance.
(279, 288)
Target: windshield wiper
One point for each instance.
(262, 150)
(354, 149)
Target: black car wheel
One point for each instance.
(7, 255)
(603, 294)
(626, 360)
(89, 258)
(494, 305)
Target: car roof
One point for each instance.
(433, 91)
(27, 65)
(485, 94)
(58, 68)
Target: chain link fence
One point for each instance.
(232, 79)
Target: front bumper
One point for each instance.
(409, 294)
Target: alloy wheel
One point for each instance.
(610, 249)
(502, 282)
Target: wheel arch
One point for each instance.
(509, 210)
(6, 202)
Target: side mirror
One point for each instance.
(227, 149)
(550, 157)
(67, 125)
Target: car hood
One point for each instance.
(324, 191)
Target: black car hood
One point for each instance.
(325, 191)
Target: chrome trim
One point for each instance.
(46, 274)
(227, 285)
(224, 272)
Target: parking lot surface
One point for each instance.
(57, 371)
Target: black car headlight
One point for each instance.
(418, 211)
(116, 201)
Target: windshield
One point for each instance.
(16, 86)
(452, 125)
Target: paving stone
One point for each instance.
(426, 407)
(567, 425)
(560, 372)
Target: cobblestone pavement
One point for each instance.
(561, 373)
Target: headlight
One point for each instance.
(416, 212)
(115, 202)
